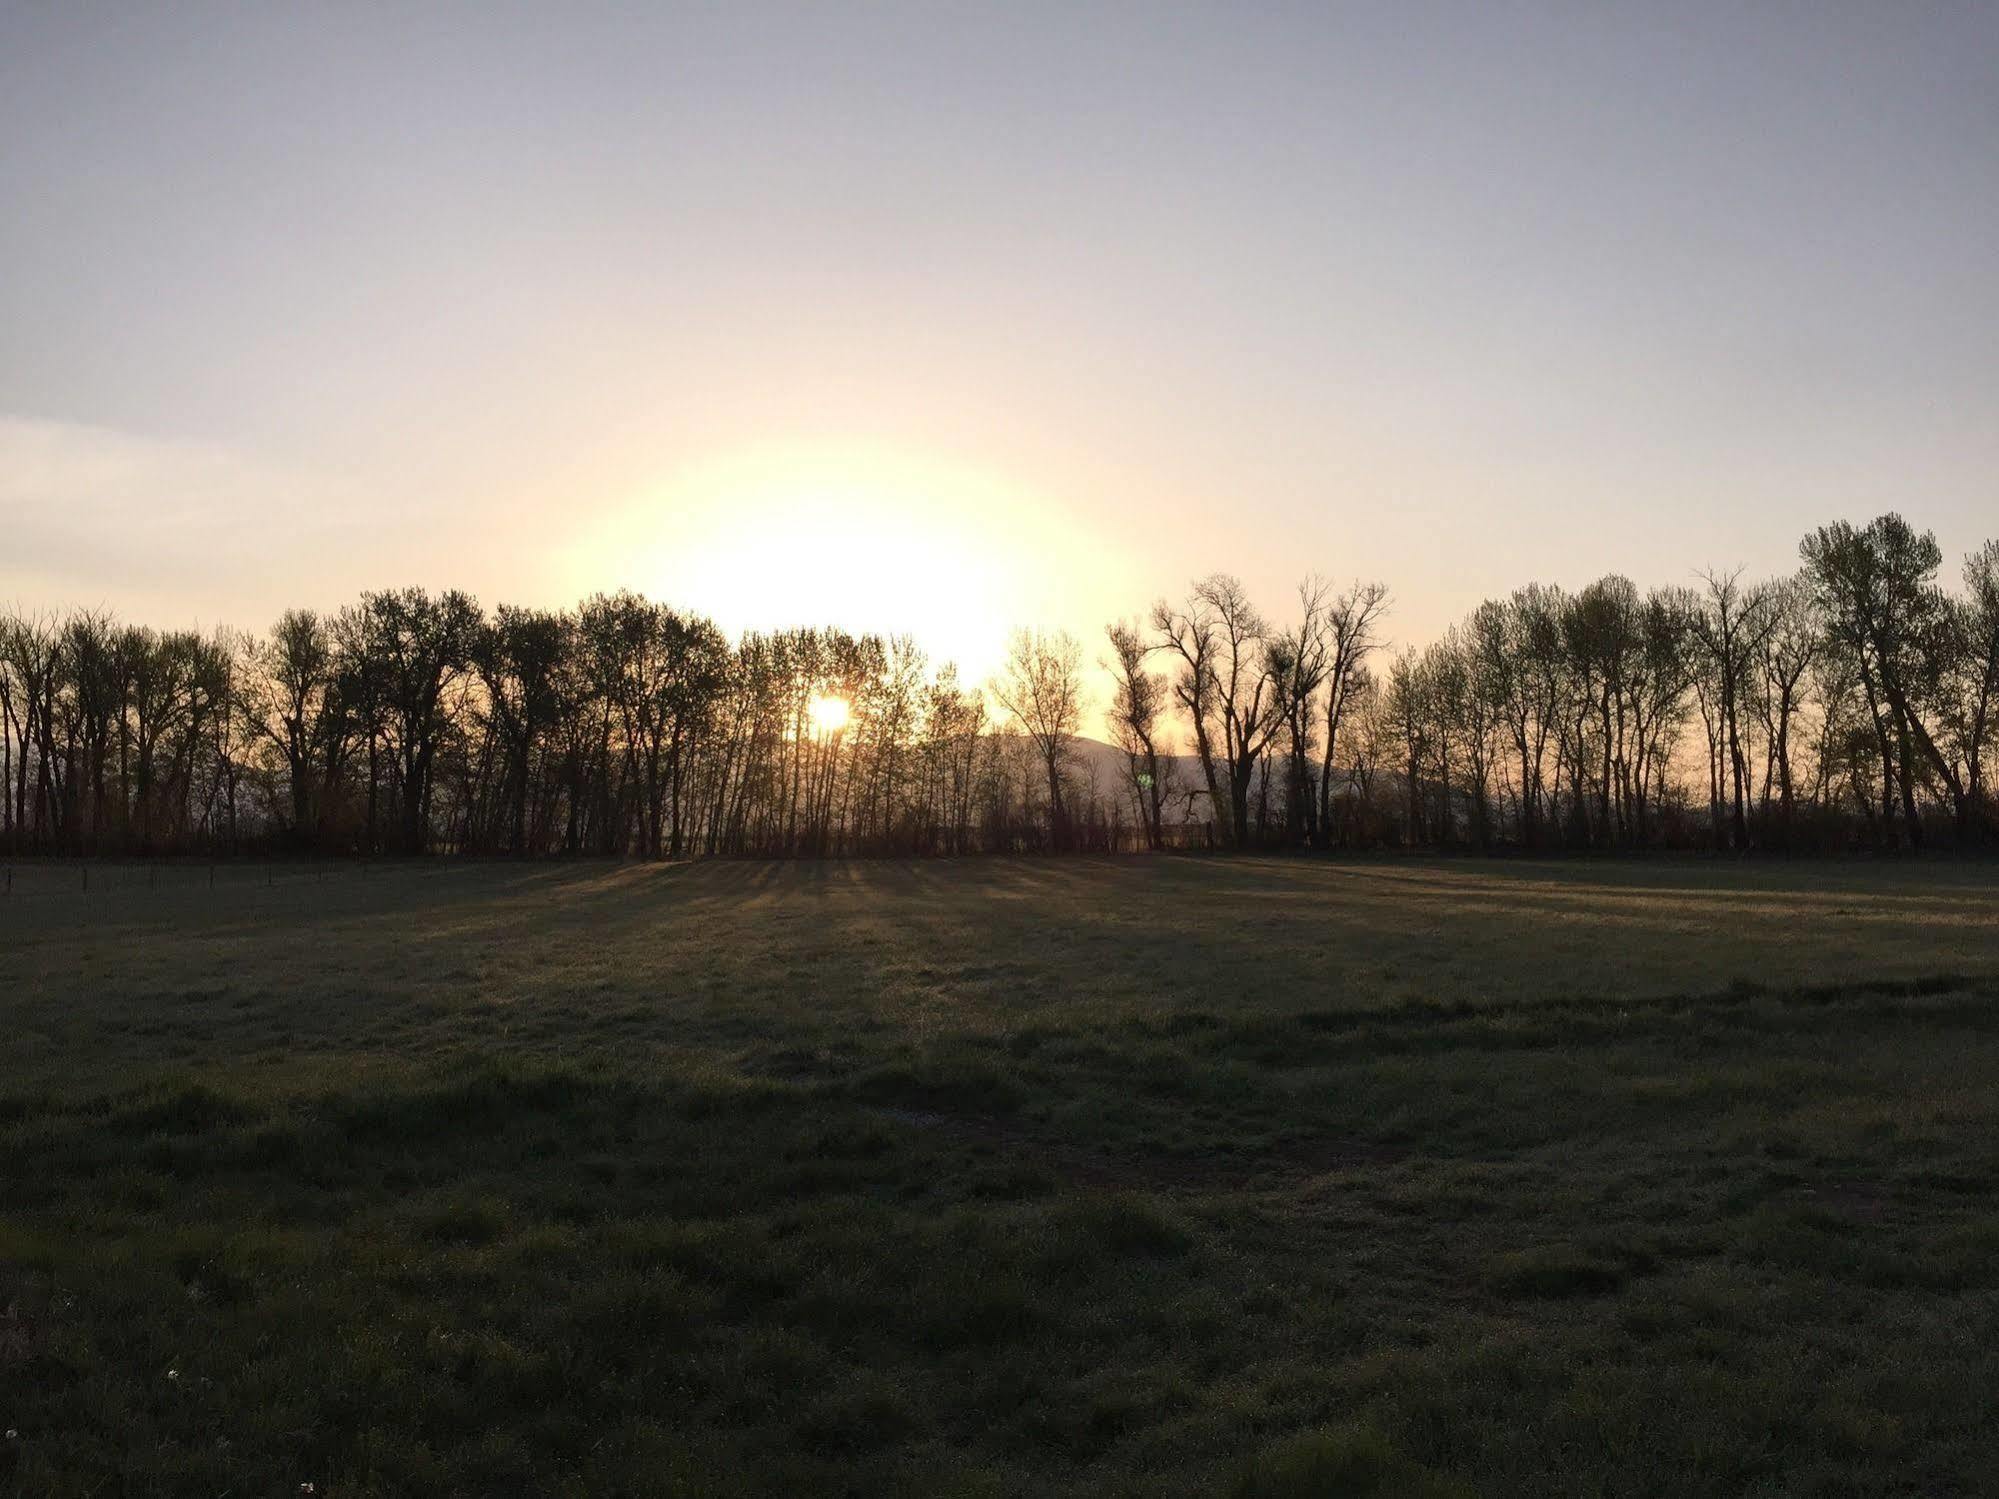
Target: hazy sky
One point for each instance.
(948, 317)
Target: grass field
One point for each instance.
(1145, 1177)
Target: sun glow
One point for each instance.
(829, 714)
(862, 537)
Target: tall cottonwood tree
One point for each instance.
(414, 650)
(295, 705)
(1977, 713)
(1875, 587)
(1351, 626)
(1729, 629)
(1138, 706)
(1788, 651)
(1041, 690)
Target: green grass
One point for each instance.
(1143, 1177)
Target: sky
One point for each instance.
(948, 318)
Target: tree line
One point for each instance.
(1850, 704)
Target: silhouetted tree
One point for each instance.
(1855, 702)
(1041, 689)
(1138, 703)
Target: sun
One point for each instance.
(829, 714)
(858, 535)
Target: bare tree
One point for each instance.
(1979, 656)
(1138, 700)
(1787, 651)
(1531, 677)
(1041, 690)
(298, 710)
(519, 657)
(413, 649)
(1876, 590)
(1350, 625)
(1299, 661)
(1225, 684)
(1402, 725)
(1730, 629)
(1190, 633)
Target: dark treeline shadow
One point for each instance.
(1849, 706)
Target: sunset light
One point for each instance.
(1009, 748)
(829, 714)
(866, 535)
